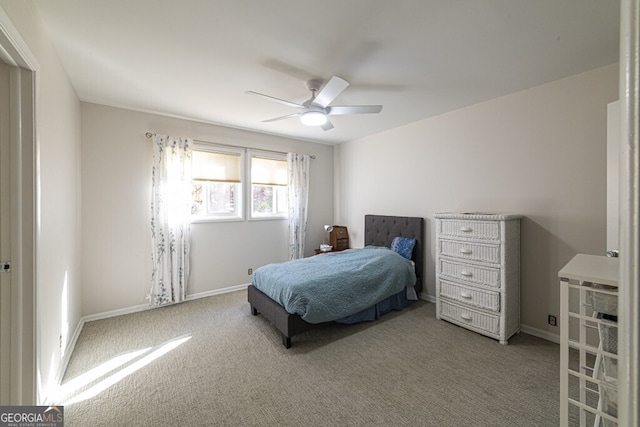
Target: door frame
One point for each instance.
(23, 77)
(629, 208)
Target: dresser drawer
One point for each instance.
(470, 251)
(469, 273)
(468, 317)
(488, 230)
(486, 300)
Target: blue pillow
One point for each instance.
(403, 246)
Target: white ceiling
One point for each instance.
(418, 58)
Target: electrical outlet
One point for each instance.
(250, 271)
(60, 340)
(552, 320)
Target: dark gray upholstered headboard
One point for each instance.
(379, 230)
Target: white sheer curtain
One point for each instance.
(170, 218)
(298, 167)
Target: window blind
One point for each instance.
(268, 171)
(212, 166)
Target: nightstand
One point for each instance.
(318, 251)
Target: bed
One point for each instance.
(380, 231)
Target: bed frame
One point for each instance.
(379, 230)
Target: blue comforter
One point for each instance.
(334, 285)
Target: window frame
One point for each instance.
(239, 214)
(249, 193)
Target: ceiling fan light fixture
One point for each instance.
(313, 118)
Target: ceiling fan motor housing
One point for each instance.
(314, 85)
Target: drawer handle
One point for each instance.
(465, 295)
(466, 229)
(466, 273)
(465, 251)
(465, 317)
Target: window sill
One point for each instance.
(268, 218)
(210, 219)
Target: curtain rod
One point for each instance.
(150, 134)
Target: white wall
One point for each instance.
(116, 185)
(58, 175)
(539, 152)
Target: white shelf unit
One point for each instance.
(478, 272)
(588, 341)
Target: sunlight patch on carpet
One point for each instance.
(111, 372)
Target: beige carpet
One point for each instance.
(209, 362)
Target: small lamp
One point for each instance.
(325, 246)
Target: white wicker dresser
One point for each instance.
(478, 272)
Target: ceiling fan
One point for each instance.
(315, 110)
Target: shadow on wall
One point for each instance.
(429, 253)
(542, 255)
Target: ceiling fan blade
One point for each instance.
(340, 110)
(271, 98)
(288, 116)
(327, 125)
(330, 91)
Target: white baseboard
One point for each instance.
(118, 312)
(428, 297)
(545, 335)
(144, 307)
(64, 363)
(217, 292)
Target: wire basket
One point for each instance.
(603, 303)
(609, 342)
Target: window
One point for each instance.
(269, 191)
(218, 187)
(216, 184)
